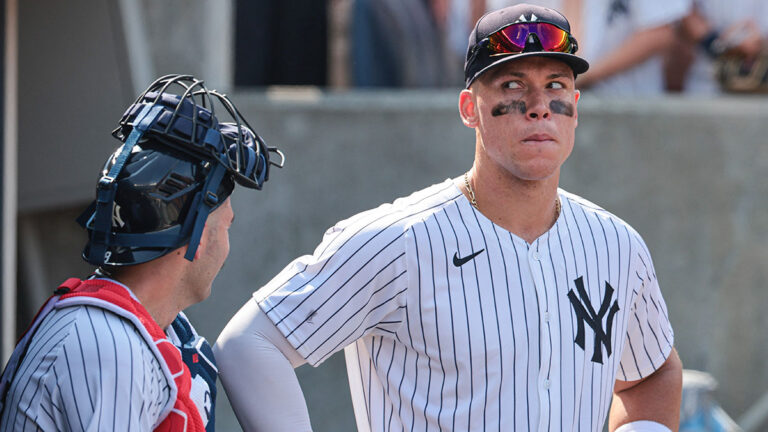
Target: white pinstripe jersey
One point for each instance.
(86, 369)
(453, 323)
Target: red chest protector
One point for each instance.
(183, 416)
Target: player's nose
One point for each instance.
(538, 106)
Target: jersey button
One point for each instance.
(536, 256)
(546, 316)
(546, 384)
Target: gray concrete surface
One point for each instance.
(690, 175)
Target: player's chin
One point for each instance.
(538, 170)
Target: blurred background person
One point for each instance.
(622, 39)
(722, 47)
(280, 43)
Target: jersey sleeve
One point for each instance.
(353, 285)
(649, 333)
(103, 377)
(654, 13)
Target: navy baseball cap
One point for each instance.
(518, 31)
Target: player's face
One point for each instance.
(214, 249)
(525, 114)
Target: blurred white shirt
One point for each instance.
(606, 24)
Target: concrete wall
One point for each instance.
(690, 175)
(81, 62)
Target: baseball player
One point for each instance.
(491, 301)
(114, 352)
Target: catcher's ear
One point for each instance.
(468, 108)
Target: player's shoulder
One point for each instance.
(404, 212)
(87, 339)
(106, 338)
(584, 209)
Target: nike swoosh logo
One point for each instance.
(458, 262)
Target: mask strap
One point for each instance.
(204, 203)
(107, 187)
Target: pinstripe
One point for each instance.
(72, 386)
(469, 333)
(396, 260)
(40, 344)
(416, 370)
(82, 359)
(355, 330)
(66, 416)
(98, 354)
(576, 394)
(387, 392)
(116, 369)
(626, 306)
(655, 338)
(512, 325)
(617, 346)
(45, 411)
(366, 388)
(341, 285)
(42, 348)
(341, 307)
(559, 320)
(607, 385)
(63, 358)
(453, 330)
(482, 317)
(371, 367)
(332, 274)
(400, 389)
(49, 392)
(589, 283)
(549, 337)
(596, 283)
(527, 334)
(599, 283)
(130, 382)
(351, 255)
(338, 345)
(423, 338)
(437, 329)
(580, 395)
(645, 346)
(496, 315)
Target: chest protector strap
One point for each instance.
(183, 415)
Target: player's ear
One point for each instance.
(468, 109)
(576, 98)
(201, 246)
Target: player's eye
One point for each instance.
(511, 85)
(556, 85)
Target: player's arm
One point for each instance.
(256, 369)
(637, 48)
(654, 398)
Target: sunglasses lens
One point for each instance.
(553, 38)
(512, 39)
(509, 39)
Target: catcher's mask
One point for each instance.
(177, 164)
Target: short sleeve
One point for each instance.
(654, 13)
(649, 333)
(352, 286)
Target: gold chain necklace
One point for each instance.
(473, 200)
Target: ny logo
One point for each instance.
(585, 313)
(116, 219)
(522, 18)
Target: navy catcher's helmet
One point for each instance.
(177, 164)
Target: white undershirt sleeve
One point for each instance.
(256, 368)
